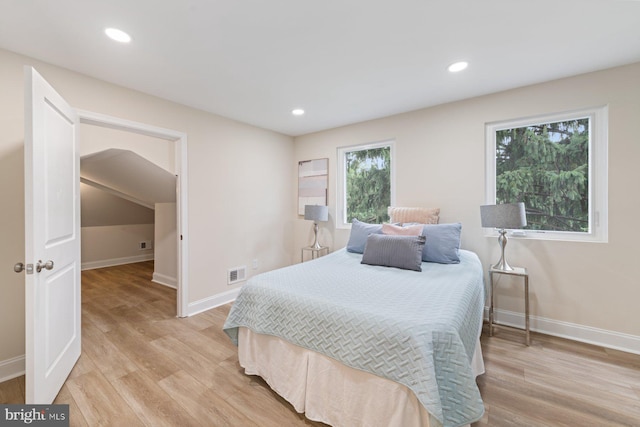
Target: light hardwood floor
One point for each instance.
(141, 365)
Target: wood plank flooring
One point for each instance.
(141, 365)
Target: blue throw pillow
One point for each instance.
(394, 251)
(443, 243)
(359, 233)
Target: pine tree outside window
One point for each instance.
(557, 166)
(365, 183)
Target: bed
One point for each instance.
(355, 344)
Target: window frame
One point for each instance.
(341, 183)
(598, 173)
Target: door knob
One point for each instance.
(47, 265)
(19, 267)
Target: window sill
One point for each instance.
(551, 236)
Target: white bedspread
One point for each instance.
(416, 328)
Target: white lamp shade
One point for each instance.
(316, 213)
(504, 216)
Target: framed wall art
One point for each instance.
(313, 181)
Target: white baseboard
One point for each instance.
(11, 368)
(212, 302)
(165, 280)
(587, 334)
(116, 261)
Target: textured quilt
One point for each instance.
(417, 328)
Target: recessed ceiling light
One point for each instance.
(458, 66)
(297, 112)
(117, 35)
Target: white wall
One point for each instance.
(165, 267)
(109, 245)
(586, 290)
(11, 219)
(99, 208)
(240, 184)
(94, 139)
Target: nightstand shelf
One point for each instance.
(519, 272)
(315, 252)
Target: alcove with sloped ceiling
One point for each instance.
(128, 202)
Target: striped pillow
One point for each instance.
(394, 251)
(415, 215)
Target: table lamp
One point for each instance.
(316, 214)
(504, 216)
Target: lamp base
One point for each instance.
(316, 244)
(502, 264)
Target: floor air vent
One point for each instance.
(237, 274)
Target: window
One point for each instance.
(557, 166)
(365, 183)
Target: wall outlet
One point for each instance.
(255, 264)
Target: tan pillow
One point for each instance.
(396, 230)
(419, 215)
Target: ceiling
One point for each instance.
(342, 61)
(127, 175)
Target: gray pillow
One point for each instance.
(394, 251)
(443, 243)
(359, 233)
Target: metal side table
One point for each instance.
(520, 272)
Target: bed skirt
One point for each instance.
(327, 391)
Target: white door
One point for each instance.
(52, 239)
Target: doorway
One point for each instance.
(179, 140)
